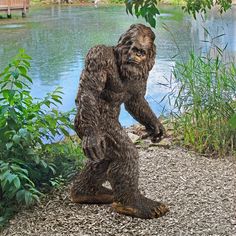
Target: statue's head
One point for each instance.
(136, 49)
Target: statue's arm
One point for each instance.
(92, 83)
(139, 108)
(87, 120)
(88, 114)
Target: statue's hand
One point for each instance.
(156, 132)
(94, 146)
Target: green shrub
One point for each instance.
(28, 162)
(206, 117)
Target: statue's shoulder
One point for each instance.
(100, 52)
(100, 57)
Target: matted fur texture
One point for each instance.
(112, 76)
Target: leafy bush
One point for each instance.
(206, 93)
(195, 6)
(66, 159)
(149, 9)
(27, 126)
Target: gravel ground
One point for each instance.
(200, 193)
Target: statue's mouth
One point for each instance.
(130, 61)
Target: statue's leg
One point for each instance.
(87, 186)
(123, 174)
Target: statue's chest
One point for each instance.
(117, 90)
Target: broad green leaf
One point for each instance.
(36, 198)
(18, 169)
(6, 93)
(20, 196)
(27, 77)
(17, 182)
(44, 164)
(6, 77)
(26, 63)
(28, 198)
(23, 70)
(9, 145)
(4, 174)
(16, 138)
(23, 132)
(10, 177)
(18, 84)
(27, 179)
(64, 131)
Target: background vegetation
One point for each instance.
(149, 8)
(204, 98)
(30, 163)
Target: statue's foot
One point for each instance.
(103, 196)
(142, 208)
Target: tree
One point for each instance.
(149, 8)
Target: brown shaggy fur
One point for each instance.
(112, 76)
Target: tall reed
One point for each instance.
(205, 104)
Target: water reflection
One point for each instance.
(11, 26)
(58, 39)
(215, 30)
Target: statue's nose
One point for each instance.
(130, 59)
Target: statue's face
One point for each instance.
(138, 50)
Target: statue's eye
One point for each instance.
(129, 43)
(139, 51)
(142, 52)
(134, 49)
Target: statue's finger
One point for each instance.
(162, 133)
(103, 146)
(85, 147)
(98, 153)
(91, 154)
(86, 153)
(84, 142)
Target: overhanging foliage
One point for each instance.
(149, 8)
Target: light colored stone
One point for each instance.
(134, 138)
(165, 143)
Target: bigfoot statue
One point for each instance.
(112, 76)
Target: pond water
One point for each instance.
(58, 38)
